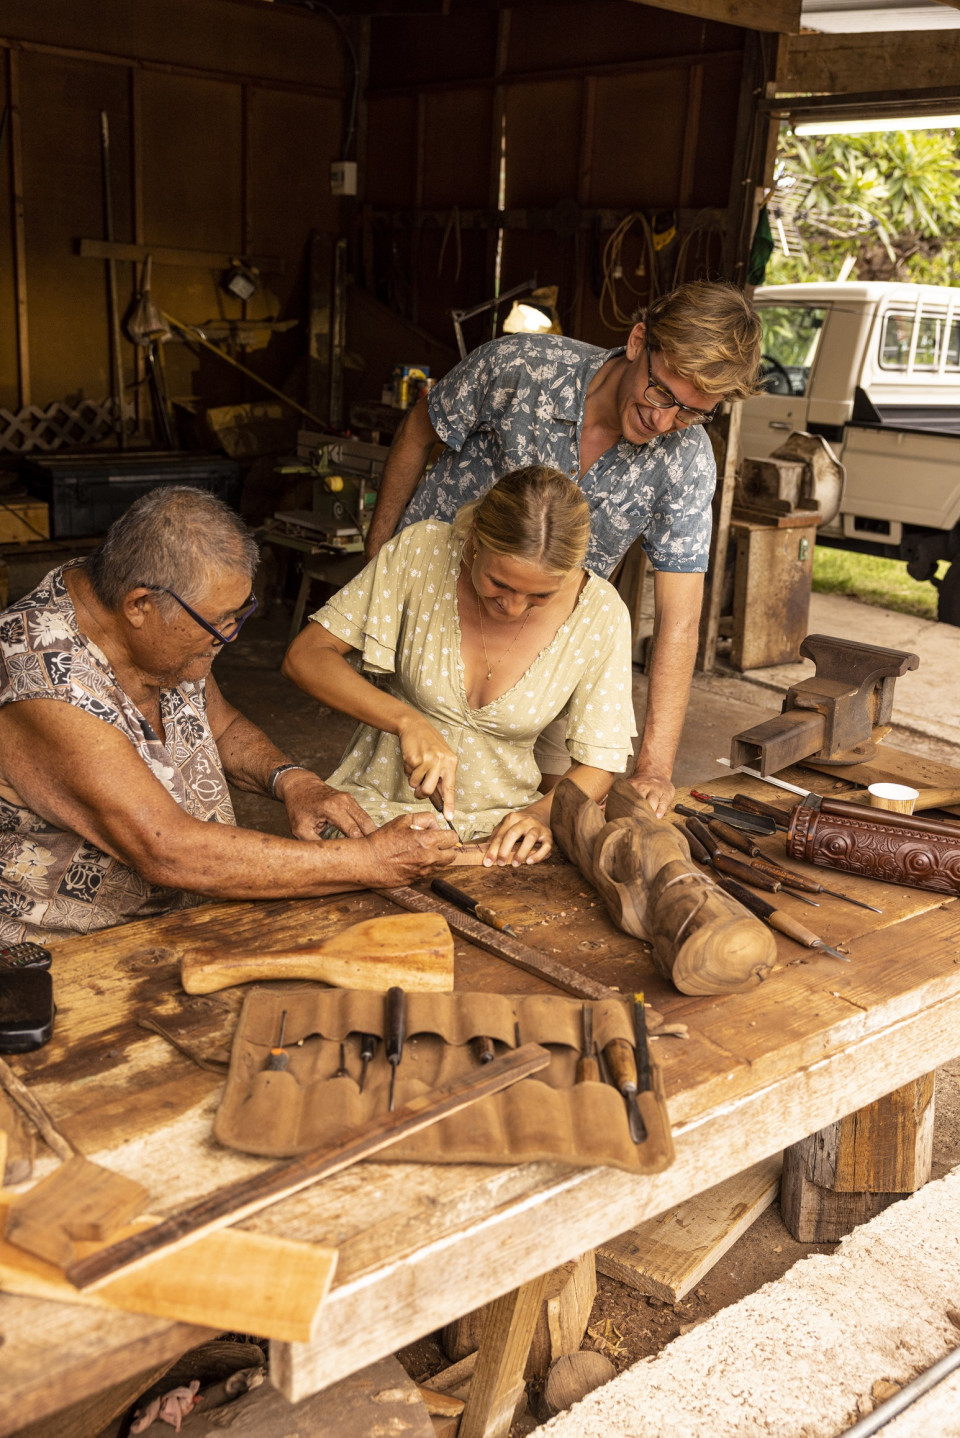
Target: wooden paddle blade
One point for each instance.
(411, 951)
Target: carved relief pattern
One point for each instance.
(895, 854)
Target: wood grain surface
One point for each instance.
(418, 1246)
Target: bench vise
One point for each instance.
(830, 717)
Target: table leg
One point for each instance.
(497, 1384)
(853, 1169)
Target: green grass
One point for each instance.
(884, 582)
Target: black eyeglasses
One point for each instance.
(238, 620)
(660, 397)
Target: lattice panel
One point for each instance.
(58, 425)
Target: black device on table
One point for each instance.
(26, 1009)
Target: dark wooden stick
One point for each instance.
(35, 1112)
(512, 951)
(237, 1201)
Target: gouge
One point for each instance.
(623, 1068)
(470, 905)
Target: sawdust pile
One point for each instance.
(807, 1356)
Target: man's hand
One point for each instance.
(411, 847)
(311, 805)
(654, 786)
(522, 837)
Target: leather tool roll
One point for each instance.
(876, 844)
(282, 1113)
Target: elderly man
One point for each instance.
(113, 777)
(628, 425)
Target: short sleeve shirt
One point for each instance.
(400, 614)
(54, 883)
(520, 400)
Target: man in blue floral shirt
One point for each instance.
(627, 424)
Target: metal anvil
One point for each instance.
(831, 716)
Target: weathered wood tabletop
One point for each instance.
(420, 1245)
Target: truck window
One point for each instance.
(791, 334)
(933, 336)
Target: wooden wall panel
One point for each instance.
(543, 141)
(220, 36)
(718, 122)
(60, 106)
(420, 49)
(638, 140)
(607, 32)
(457, 149)
(9, 396)
(391, 177)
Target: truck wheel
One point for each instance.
(948, 595)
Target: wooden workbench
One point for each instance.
(419, 1246)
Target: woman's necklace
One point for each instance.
(513, 641)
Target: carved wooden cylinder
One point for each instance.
(877, 844)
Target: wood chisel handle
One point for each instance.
(483, 1049)
(746, 873)
(588, 1069)
(757, 806)
(776, 918)
(736, 838)
(623, 1066)
(788, 878)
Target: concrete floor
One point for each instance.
(927, 705)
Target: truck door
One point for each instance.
(791, 339)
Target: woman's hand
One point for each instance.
(523, 837)
(430, 764)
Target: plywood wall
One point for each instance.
(607, 109)
(224, 119)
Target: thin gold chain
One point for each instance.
(484, 642)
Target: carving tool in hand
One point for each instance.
(469, 905)
(623, 1067)
(777, 919)
(744, 870)
(368, 1047)
(436, 799)
(396, 1032)
(278, 1058)
(588, 1069)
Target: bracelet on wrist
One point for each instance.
(275, 775)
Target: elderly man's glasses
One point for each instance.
(660, 397)
(218, 638)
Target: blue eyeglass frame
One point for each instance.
(242, 616)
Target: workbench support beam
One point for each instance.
(497, 1385)
(850, 1171)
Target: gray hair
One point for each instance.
(174, 537)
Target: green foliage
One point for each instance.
(872, 580)
(891, 200)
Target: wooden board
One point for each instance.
(80, 1200)
(668, 1256)
(235, 1281)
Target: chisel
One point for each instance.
(396, 1032)
(737, 838)
(278, 1058)
(623, 1067)
(644, 1080)
(368, 1047)
(470, 905)
(736, 868)
(790, 879)
(483, 1049)
(742, 804)
(436, 800)
(588, 1069)
(751, 823)
(757, 905)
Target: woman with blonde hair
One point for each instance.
(478, 634)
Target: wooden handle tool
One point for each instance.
(396, 1032)
(588, 1069)
(777, 919)
(727, 865)
(414, 951)
(623, 1069)
(470, 905)
(736, 838)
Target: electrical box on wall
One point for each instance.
(343, 177)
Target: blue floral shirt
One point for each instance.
(520, 400)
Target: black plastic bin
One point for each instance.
(86, 493)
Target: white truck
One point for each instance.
(874, 369)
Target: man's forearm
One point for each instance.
(405, 464)
(248, 756)
(668, 692)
